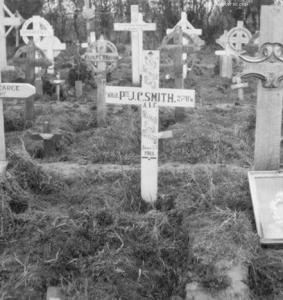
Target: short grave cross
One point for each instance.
(10, 90)
(150, 97)
(10, 21)
(136, 27)
(239, 85)
(26, 58)
(102, 56)
(268, 68)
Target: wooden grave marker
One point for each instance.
(102, 57)
(136, 27)
(150, 97)
(183, 44)
(268, 68)
(232, 41)
(17, 27)
(37, 28)
(10, 21)
(88, 13)
(10, 90)
(239, 85)
(52, 47)
(58, 82)
(28, 57)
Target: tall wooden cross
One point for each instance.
(101, 56)
(10, 90)
(136, 27)
(150, 97)
(268, 68)
(10, 21)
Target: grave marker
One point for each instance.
(232, 41)
(268, 68)
(28, 57)
(40, 29)
(10, 21)
(52, 47)
(10, 90)
(136, 27)
(58, 82)
(88, 14)
(102, 56)
(150, 97)
(183, 43)
(239, 85)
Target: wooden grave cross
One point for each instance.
(239, 85)
(10, 21)
(28, 57)
(102, 57)
(88, 13)
(150, 97)
(180, 51)
(52, 47)
(190, 35)
(18, 15)
(40, 29)
(136, 27)
(232, 41)
(268, 68)
(10, 90)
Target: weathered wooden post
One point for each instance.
(10, 90)
(10, 21)
(268, 68)
(232, 41)
(58, 82)
(25, 57)
(136, 27)
(17, 27)
(150, 97)
(102, 56)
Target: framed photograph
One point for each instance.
(267, 196)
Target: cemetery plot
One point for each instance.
(142, 206)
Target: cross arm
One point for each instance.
(267, 66)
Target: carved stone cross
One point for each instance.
(268, 68)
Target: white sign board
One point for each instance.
(16, 90)
(159, 97)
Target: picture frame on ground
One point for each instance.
(267, 196)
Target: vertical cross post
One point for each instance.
(268, 68)
(9, 90)
(10, 21)
(136, 27)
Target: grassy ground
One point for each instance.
(97, 239)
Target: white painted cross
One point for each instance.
(52, 47)
(10, 90)
(150, 97)
(88, 14)
(232, 41)
(40, 29)
(187, 29)
(136, 27)
(10, 21)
